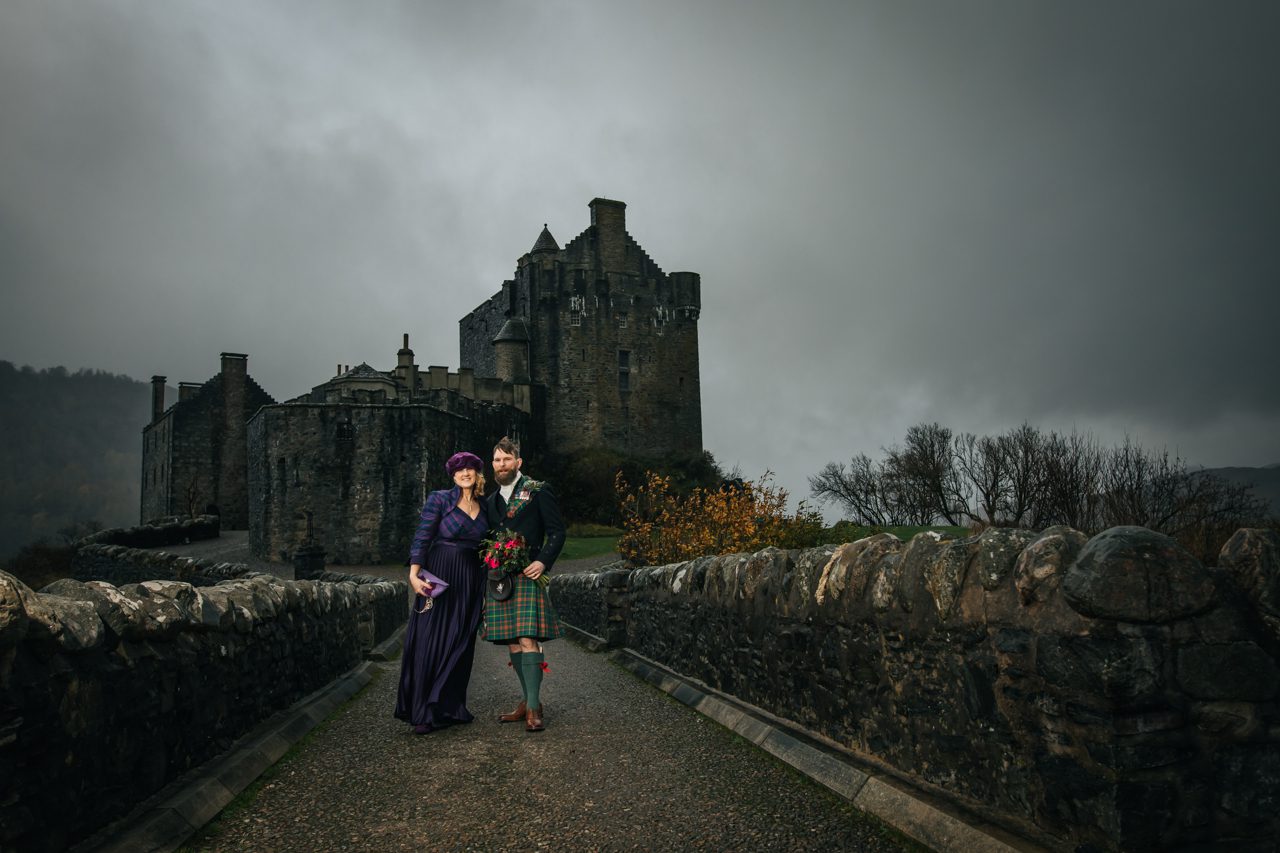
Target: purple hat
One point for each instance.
(458, 461)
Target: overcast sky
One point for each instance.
(978, 213)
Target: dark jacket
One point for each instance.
(534, 513)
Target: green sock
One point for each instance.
(532, 679)
(518, 665)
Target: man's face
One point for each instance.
(506, 467)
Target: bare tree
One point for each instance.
(1073, 480)
(865, 490)
(1130, 488)
(1023, 450)
(1030, 479)
(926, 469)
(985, 465)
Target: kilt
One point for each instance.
(527, 613)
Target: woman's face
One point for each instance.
(465, 477)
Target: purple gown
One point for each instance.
(440, 644)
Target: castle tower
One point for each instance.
(611, 338)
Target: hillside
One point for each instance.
(1265, 480)
(70, 451)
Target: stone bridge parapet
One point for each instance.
(109, 692)
(1109, 691)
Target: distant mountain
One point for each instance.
(1265, 481)
(70, 451)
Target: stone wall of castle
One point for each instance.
(361, 473)
(109, 693)
(477, 330)
(1105, 693)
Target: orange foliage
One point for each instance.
(660, 526)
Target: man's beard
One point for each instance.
(508, 478)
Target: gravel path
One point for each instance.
(621, 766)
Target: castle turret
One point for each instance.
(511, 349)
(545, 243)
(157, 397)
(687, 291)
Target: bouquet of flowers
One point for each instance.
(506, 553)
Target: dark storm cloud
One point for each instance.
(979, 213)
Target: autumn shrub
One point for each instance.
(662, 525)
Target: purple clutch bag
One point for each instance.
(437, 585)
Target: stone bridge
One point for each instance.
(1013, 690)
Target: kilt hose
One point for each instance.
(527, 613)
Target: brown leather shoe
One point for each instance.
(533, 720)
(515, 716)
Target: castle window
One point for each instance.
(622, 319)
(624, 370)
(345, 433)
(575, 317)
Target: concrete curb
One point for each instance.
(915, 814)
(585, 638)
(186, 804)
(391, 648)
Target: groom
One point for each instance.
(522, 617)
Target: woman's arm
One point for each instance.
(428, 526)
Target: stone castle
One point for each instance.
(589, 345)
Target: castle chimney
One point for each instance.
(235, 365)
(157, 397)
(609, 219)
(406, 370)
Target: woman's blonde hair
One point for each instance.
(479, 487)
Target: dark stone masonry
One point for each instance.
(109, 692)
(352, 479)
(1108, 692)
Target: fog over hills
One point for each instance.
(1265, 481)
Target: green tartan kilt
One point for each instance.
(527, 613)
